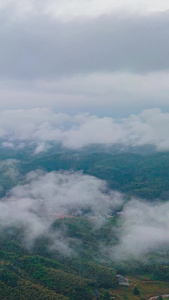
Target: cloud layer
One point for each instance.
(65, 9)
(43, 126)
(145, 229)
(41, 47)
(112, 62)
(45, 197)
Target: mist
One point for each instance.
(144, 230)
(42, 198)
(43, 126)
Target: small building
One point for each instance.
(122, 280)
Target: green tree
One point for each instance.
(136, 291)
(106, 296)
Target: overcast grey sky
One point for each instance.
(105, 58)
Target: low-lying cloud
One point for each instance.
(43, 126)
(145, 229)
(45, 197)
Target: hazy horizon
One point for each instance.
(105, 59)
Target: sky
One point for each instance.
(104, 58)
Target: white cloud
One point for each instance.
(145, 228)
(67, 9)
(43, 126)
(43, 197)
(38, 202)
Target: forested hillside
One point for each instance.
(39, 273)
(145, 176)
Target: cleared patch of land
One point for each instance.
(147, 288)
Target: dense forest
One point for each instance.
(145, 176)
(39, 273)
(44, 274)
